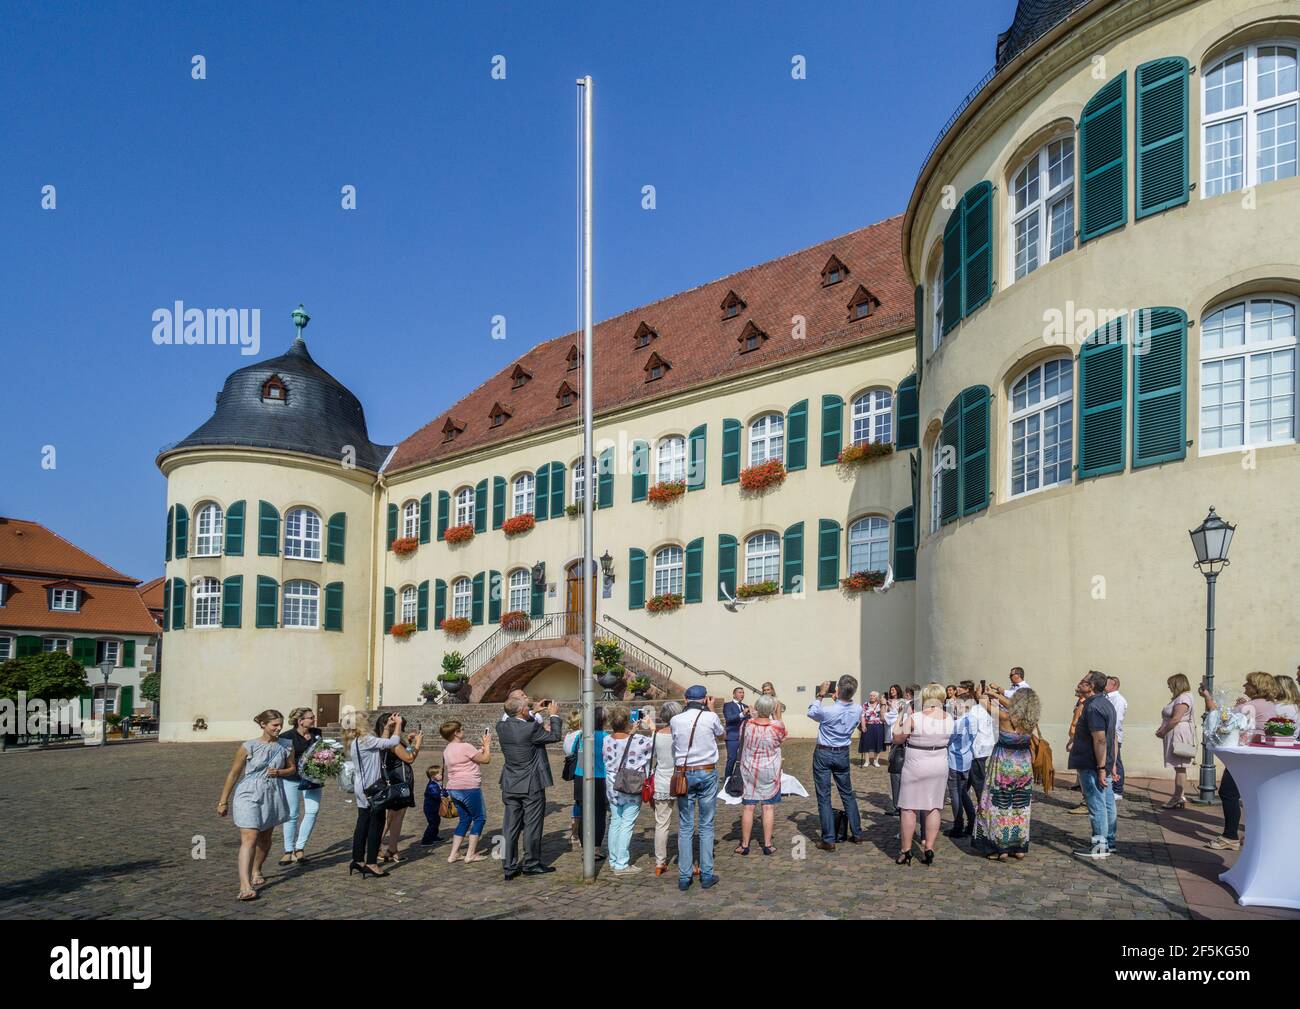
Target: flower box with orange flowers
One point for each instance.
(459, 534)
(764, 476)
(515, 620)
(456, 625)
(402, 631)
(518, 525)
(755, 589)
(665, 603)
(865, 452)
(666, 491)
(863, 581)
(405, 545)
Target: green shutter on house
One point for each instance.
(495, 590)
(178, 604)
(476, 599)
(1161, 148)
(480, 506)
(918, 313)
(1159, 386)
(439, 602)
(557, 489)
(334, 606)
(268, 530)
(30, 644)
(695, 571)
(640, 470)
(605, 479)
(635, 579)
(542, 495)
(905, 545)
(832, 429)
(977, 239)
(126, 700)
(336, 537)
(796, 436)
(907, 414)
(726, 566)
(83, 650)
(232, 601)
(915, 460)
(950, 457)
(498, 501)
(828, 554)
(235, 530)
(392, 525)
(426, 515)
(128, 655)
(792, 559)
(390, 609)
(167, 606)
(954, 257)
(697, 457)
(974, 449)
(268, 608)
(731, 450)
(1103, 388)
(422, 606)
(537, 602)
(182, 531)
(1103, 184)
(171, 527)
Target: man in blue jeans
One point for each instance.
(831, 757)
(696, 732)
(1092, 756)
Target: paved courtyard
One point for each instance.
(92, 833)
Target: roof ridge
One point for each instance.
(120, 576)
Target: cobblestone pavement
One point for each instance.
(94, 833)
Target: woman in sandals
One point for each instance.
(302, 735)
(1176, 728)
(760, 771)
(260, 805)
(463, 776)
(1002, 818)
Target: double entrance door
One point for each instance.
(573, 596)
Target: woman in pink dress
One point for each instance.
(1176, 727)
(759, 765)
(925, 771)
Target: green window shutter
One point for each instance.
(83, 650)
(974, 449)
(1102, 149)
(918, 313)
(422, 606)
(392, 525)
(954, 255)
(182, 531)
(1161, 154)
(495, 591)
(426, 515)
(498, 501)
(697, 457)
(476, 599)
(232, 601)
(128, 654)
(792, 559)
(268, 530)
(695, 571)
(915, 460)
(390, 609)
(537, 602)
(557, 489)
(167, 607)
(268, 607)
(640, 470)
(905, 545)
(832, 429)
(726, 565)
(828, 554)
(126, 700)
(1103, 388)
(178, 604)
(334, 606)
(950, 445)
(439, 603)
(171, 531)
(542, 497)
(1159, 387)
(731, 450)
(30, 644)
(635, 579)
(235, 530)
(977, 225)
(907, 414)
(605, 479)
(796, 436)
(480, 506)
(336, 538)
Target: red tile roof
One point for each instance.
(694, 338)
(29, 546)
(151, 593)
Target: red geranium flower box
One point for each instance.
(667, 491)
(456, 625)
(518, 525)
(516, 620)
(459, 534)
(861, 581)
(665, 603)
(402, 631)
(754, 589)
(763, 476)
(404, 545)
(865, 452)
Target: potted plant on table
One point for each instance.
(608, 667)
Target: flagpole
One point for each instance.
(589, 485)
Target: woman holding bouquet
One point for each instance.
(258, 798)
(303, 736)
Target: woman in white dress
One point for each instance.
(260, 805)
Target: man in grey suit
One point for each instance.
(524, 780)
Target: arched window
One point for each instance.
(523, 495)
(207, 602)
(1042, 426)
(762, 558)
(208, 531)
(936, 483)
(671, 459)
(411, 519)
(869, 544)
(1248, 117)
(668, 571)
(460, 598)
(936, 299)
(873, 417)
(579, 481)
(521, 587)
(464, 506)
(301, 604)
(1042, 206)
(302, 534)
(767, 438)
(409, 604)
(1248, 390)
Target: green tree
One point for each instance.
(151, 686)
(53, 675)
(13, 678)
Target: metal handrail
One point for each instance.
(638, 655)
(683, 662)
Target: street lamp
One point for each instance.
(106, 669)
(1210, 540)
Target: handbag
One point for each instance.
(385, 791)
(569, 771)
(447, 806)
(735, 786)
(628, 780)
(648, 786)
(897, 754)
(677, 786)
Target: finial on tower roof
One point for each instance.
(300, 320)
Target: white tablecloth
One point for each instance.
(1267, 872)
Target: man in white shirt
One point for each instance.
(696, 732)
(1121, 709)
(985, 731)
(1017, 676)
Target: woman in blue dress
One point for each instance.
(260, 805)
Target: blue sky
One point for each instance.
(225, 192)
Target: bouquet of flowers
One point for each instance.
(1224, 726)
(1280, 725)
(322, 761)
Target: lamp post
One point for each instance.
(106, 670)
(1210, 540)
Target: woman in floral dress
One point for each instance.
(1002, 821)
(759, 765)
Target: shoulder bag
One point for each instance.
(569, 771)
(648, 786)
(628, 780)
(735, 786)
(382, 792)
(677, 786)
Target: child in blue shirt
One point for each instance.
(432, 798)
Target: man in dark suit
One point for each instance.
(734, 714)
(524, 780)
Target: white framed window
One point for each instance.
(301, 604)
(105, 700)
(464, 507)
(936, 483)
(579, 482)
(873, 417)
(767, 438)
(1250, 99)
(1248, 380)
(56, 645)
(410, 604)
(1042, 206)
(63, 599)
(1042, 427)
(208, 531)
(207, 602)
(6, 649)
(460, 598)
(762, 558)
(521, 589)
(302, 534)
(107, 651)
(669, 567)
(869, 544)
(936, 303)
(524, 495)
(670, 459)
(411, 520)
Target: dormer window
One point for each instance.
(64, 600)
(833, 272)
(731, 305)
(656, 368)
(862, 304)
(567, 396)
(642, 337)
(274, 390)
(751, 337)
(498, 415)
(572, 358)
(450, 429)
(520, 375)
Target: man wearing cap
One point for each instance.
(696, 732)
(831, 757)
